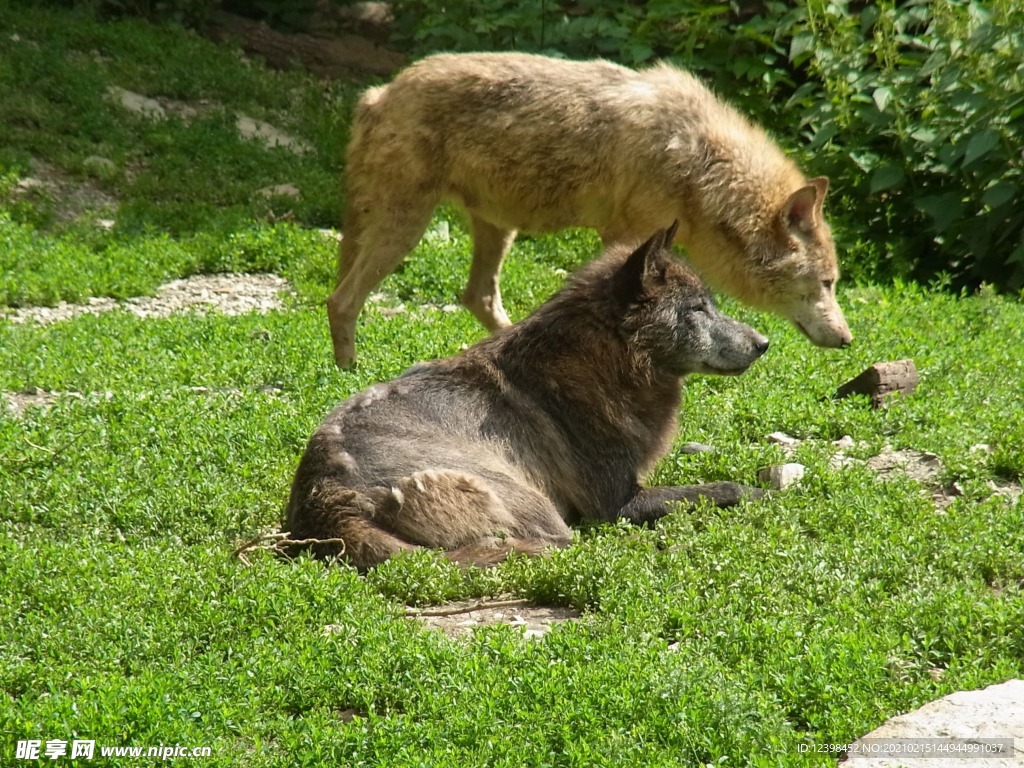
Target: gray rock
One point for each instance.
(781, 476)
(137, 103)
(696, 448)
(280, 190)
(781, 438)
(269, 136)
(956, 728)
(439, 233)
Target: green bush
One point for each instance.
(197, 13)
(919, 111)
(190, 12)
(914, 108)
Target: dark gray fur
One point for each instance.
(549, 422)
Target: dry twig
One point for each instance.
(281, 542)
(53, 453)
(452, 610)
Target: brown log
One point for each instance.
(881, 381)
(336, 57)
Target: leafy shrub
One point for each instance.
(914, 109)
(289, 14)
(191, 12)
(919, 110)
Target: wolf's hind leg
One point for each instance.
(444, 508)
(482, 296)
(452, 509)
(379, 233)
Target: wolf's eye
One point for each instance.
(828, 284)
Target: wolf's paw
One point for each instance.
(727, 493)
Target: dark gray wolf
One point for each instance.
(548, 422)
(537, 144)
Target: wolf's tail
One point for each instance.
(367, 108)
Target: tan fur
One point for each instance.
(536, 144)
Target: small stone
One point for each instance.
(280, 190)
(440, 232)
(137, 103)
(29, 183)
(844, 442)
(841, 461)
(881, 381)
(1007, 490)
(270, 136)
(980, 448)
(781, 476)
(781, 438)
(107, 224)
(696, 448)
(186, 112)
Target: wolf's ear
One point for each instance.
(802, 211)
(670, 233)
(636, 271)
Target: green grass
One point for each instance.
(727, 637)
(181, 175)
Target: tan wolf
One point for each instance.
(548, 422)
(531, 143)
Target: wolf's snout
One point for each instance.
(761, 343)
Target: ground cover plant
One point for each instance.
(716, 637)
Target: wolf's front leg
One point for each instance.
(650, 504)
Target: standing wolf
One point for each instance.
(531, 143)
(546, 423)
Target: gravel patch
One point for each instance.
(229, 294)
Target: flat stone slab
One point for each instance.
(967, 729)
(460, 619)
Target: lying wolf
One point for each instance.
(548, 422)
(530, 143)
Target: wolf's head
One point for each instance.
(672, 319)
(781, 257)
